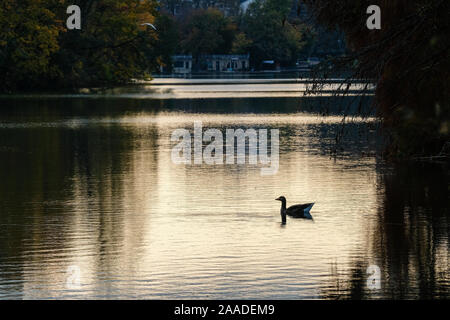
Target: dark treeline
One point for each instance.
(38, 52)
(409, 60)
(265, 29)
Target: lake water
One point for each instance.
(88, 181)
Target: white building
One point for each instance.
(182, 63)
(227, 62)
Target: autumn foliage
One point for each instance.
(36, 48)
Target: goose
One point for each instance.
(296, 211)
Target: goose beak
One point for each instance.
(277, 199)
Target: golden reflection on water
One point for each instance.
(140, 226)
(197, 231)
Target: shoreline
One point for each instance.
(176, 88)
(228, 81)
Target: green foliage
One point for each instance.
(241, 44)
(273, 35)
(28, 38)
(208, 32)
(168, 40)
(266, 30)
(36, 49)
(112, 46)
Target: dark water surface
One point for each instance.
(89, 182)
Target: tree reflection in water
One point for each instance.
(410, 239)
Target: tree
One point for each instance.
(273, 36)
(168, 40)
(37, 50)
(29, 35)
(241, 44)
(208, 32)
(113, 45)
(408, 60)
(172, 5)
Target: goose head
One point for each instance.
(283, 209)
(283, 202)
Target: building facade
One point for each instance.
(211, 63)
(182, 64)
(227, 62)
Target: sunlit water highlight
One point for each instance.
(100, 191)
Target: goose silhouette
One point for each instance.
(296, 211)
